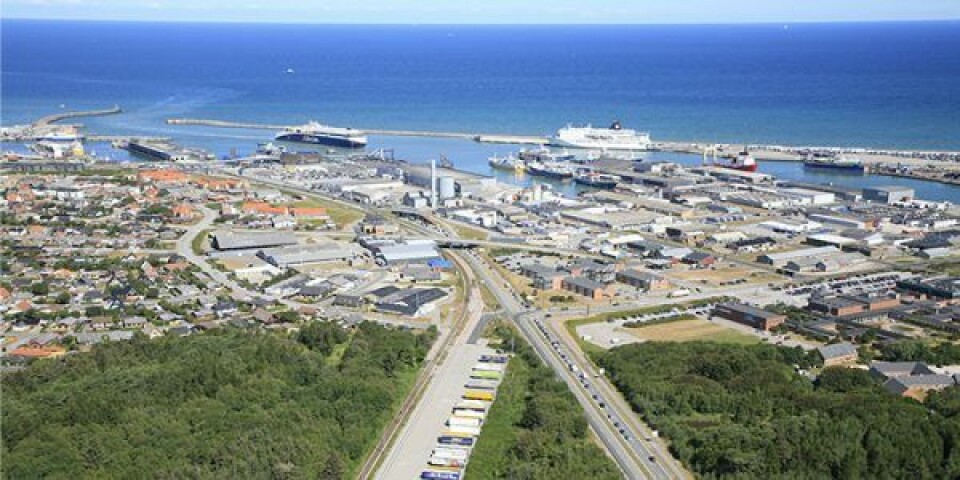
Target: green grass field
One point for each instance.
(690, 331)
(343, 216)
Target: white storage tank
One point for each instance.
(447, 188)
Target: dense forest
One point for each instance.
(742, 411)
(536, 429)
(919, 351)
(227, 405)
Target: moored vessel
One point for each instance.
(508, 162)
(318, 134)
(589, 178)
(553, 170)
(614, 137)
(834, 161)
(742, 161)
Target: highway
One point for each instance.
(635, 459)
(632, 457)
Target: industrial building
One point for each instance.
(226, 240)
(413, 302)
(888, 194)
(399, 252)
(748, 315)
(313, 253)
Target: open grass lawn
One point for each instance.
(692, 330)
(343, 216)
(468, 233)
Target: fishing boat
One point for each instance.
(590, 178)
(554, 170)
(508, 162)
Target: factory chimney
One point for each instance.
(433, 184)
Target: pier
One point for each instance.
(56, 117)
(477, 137)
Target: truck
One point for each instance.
(488, 367)
(484, 374)
(455, 440)
(476, 405)
(467, 413)
(494, 358)
(461, 430)
(454, 453)
(464, 422)
(446, 462)
(679, 293)
(436, 474)
(482, 384)
(478, 395)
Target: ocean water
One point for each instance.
(891, 85)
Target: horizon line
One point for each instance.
(489, 24)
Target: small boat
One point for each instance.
(508, 162)
(545, 155)
(589, 178)
(290, 70)
(555, 170)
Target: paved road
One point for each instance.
(185, 248)
(633, 459)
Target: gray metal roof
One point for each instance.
(837, 350)
(224, 240)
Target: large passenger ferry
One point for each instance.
(615, 137)
(318, 134)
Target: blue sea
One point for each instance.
(893, 85)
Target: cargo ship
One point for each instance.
(742, 161)
(508, 162)
(557, 171)
(589, 178)
(317, 134)
(835, 162)
(614, 137)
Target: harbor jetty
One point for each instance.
(57, 117)
(477, 137)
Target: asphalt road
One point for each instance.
(185, 249)
(633, 458)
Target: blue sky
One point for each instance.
(486, 11)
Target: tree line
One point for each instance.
(227, 404)
(536, 429)
(742, 411)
